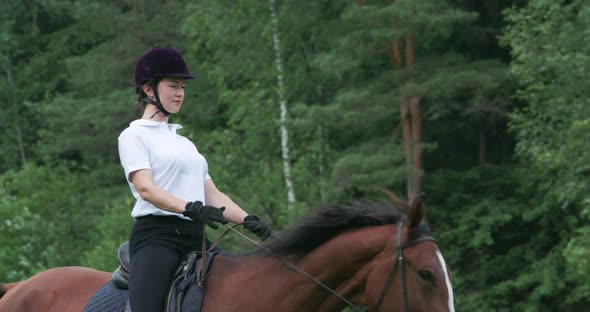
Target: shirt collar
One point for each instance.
(151, 123)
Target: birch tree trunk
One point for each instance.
(283, 106)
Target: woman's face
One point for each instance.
(171, 92)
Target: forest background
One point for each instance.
(490, 97)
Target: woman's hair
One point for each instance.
(140, 104)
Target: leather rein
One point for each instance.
(399, 261)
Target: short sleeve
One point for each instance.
(133, 153)
(206, 175)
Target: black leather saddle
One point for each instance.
(192, 271)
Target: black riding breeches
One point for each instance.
(151, 273)
(157, 245)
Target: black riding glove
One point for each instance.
(256, 226)
(205, 214)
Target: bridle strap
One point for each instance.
(400, 252)
(400, 261)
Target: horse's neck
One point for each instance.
(341, 264)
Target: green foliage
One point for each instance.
(341, 95)
(46, 213)
(502, 259)
(550, 50)
(110, 232)
(22, 234)
(577, 253)
(233, 44)
(512, 222)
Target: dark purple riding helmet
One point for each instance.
(158, 63)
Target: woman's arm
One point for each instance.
(214, 197)
(150, 192)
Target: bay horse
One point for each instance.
(363, 253)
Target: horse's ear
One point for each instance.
(398, 201)
(417, 211)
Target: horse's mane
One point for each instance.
(326, 222)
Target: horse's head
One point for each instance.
(369, 254)
(410, 273)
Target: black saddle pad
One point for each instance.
(108, 299)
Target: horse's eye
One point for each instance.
(426, 275)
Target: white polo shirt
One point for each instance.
(175, 164)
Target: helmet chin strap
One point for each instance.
(157, 103)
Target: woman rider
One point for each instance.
(170, 180)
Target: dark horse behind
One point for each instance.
(370, 254)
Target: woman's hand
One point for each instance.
(204, 214)
(256, 226)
